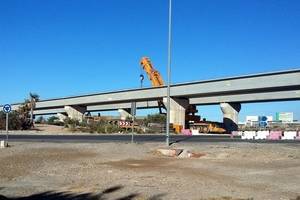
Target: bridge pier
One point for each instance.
(177, 110)
(230, 115)
(61, 116)
(75, 112)
(124, 113)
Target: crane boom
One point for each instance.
(153, 74)
(155, 78)
(157, 81)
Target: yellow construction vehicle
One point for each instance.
(206, 127)
(190, 117)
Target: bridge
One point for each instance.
(229, 92)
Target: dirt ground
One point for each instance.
(132, 171)
(45, 129)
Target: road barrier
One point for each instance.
(289, 135)
(261, 135)
(248, 135)
(267, 135)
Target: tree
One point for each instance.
(33, 99)
(155, 118)
(14, 121)
(52, 119)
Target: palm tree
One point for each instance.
(33, 99)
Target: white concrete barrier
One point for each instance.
(236, 133)
(2, 144)
(261, 135)
(248, 135)
(195, 132)
(289, 135)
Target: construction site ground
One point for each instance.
(134, 171)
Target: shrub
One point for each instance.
(155, 118)
(52, 119)
(14, 122)
(71, 123)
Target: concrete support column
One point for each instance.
(125, 113)
(75, 112)
(177, 110)
(61, 116)
(230, 115)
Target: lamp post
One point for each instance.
(169, 75)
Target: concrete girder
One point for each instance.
(211, 100)
(288, 95)
(269, 82)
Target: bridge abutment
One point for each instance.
(230, 115)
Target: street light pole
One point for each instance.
(169, 75)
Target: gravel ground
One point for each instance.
(133, 171)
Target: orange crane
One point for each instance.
(157, 81)
(155, 78)
(190, 117)
(152, 73)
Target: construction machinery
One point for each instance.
(191, 119)
(155, 78)
(206, 127)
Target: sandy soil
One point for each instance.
(45, 129)
(133, 171)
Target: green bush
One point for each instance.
(14, 122)
(71, 123)
(52, 119)
(154, 118)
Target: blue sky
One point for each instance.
(61, 48)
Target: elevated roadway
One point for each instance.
(264, 87)
(251, 88)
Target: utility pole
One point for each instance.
(169, 75)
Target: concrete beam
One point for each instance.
(247, 84)
(248, 98)
(272, 82)
(49, 111)
(108, 107)
(277, 86)
(238, 98)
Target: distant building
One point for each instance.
(285, 117)
(258, 120)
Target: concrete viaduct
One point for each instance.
(228, 92)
